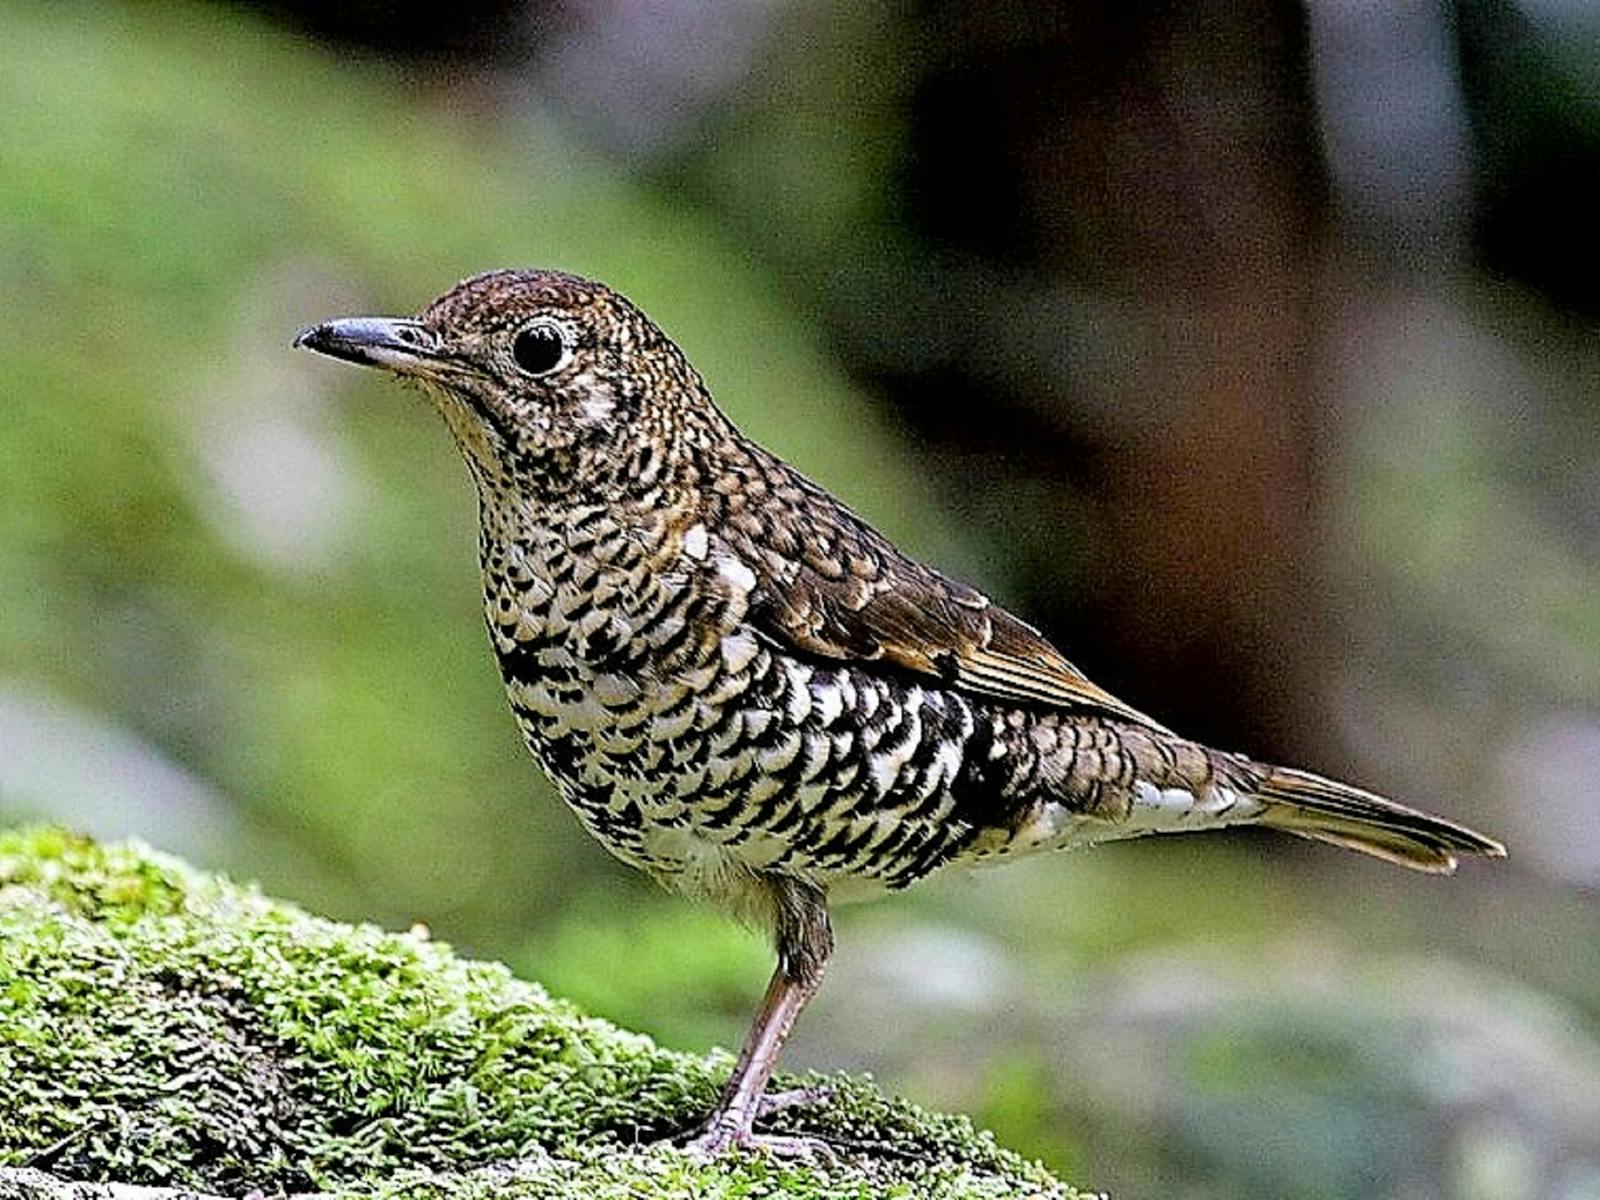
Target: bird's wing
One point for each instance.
(829, 585)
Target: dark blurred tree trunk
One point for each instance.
(1164, 156)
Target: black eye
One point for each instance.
(541, 347)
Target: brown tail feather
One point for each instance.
(1313, 807)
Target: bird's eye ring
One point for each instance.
(542, 346)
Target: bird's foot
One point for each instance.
(730, 1129)
(723, 1139)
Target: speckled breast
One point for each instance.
(690, 745)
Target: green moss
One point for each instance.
(163, 1026)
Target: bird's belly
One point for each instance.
(754, 764)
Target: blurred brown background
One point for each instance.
(1247, 349)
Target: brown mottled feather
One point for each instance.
(1326, 810)
(845, 593)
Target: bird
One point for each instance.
(746, 691)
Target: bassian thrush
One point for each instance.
(744, 690)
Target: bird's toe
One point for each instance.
(717, 1142)
(773, 1102)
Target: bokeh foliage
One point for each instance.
(237, 584)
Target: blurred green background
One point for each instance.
(1249, 349)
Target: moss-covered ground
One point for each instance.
(159, 1025)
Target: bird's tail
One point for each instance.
(1301, 803)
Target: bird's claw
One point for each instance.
(730, 1130)
(722, 1139)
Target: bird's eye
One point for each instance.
(541, 346)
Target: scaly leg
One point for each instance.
(805, 939)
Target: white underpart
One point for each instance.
(1178, 808)
(696, 543)
(736, 573)
(886, 765)
(738, 649)
(799, 690)
(709, 871)
(1154, 810)
(828, 697)
(947, 762)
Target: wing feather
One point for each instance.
(831, 586)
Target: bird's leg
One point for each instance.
(804, 941)
(741, 1099)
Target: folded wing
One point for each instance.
(839, 590)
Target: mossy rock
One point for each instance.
(164, 1027)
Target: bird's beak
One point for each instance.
(407, 347)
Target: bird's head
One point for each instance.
(551, 383)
